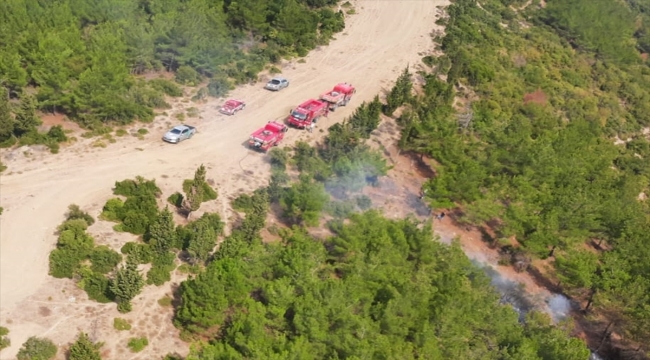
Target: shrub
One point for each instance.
(187, 76)
(143, 131)
(165, 301)
(104, 259)
(124, 307)
(95, 285)
(73, 245)
(74, 212)
(37, 349)
(176, 199)
(340, 209)
(160, 271)
(140, 207)
(4, 340)
(279, 158)
(9, 142)
(167, 87)
(172, 357)
(201, 94)
(138, 344)
(120, 132)
(112, 210)
(121, 324)
(57, 134)
(135, 222)
(192, 112)
(363, 202)
(303, 201)
(243, 202)
(208, 192)
(98, 143)
(218, 87)
(138, 252)
(138, 187)
(189, 269)
(64, 263)
(54, 148)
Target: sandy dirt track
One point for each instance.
(370, 53)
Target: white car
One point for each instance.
(179, 133)
(277, 83)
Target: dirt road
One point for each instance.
(376, 45)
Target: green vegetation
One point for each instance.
(19, 124)
(73, 246)
(83, 57)
(303, 201)
(529, 147)
(37, 349)
(121, 324)
(165, 301)
(126, 285)
(605, 28)
(138, 344)
(197, 191)
(95, 267)
(379, 288)
(74, 212)
(84, 349)
(4, 339)
(140, 208)
(104, 259)
(176, 199)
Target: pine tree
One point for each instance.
(126, 285)
(400, 93)
(26, 119)
(202, 243)
(7, 123)
(199, 176)
(163, 232)
(196, 191)
(85, 349)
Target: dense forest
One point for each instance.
(82, 58)
(522, 115)
(379, 289)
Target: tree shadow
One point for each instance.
(422, 167)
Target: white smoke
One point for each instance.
(559, 307)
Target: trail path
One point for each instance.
(378, 42)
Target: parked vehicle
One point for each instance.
(232, 106)
(276, 84)
(179, 133)
(307, 113)
(268, 136)
(339, 96)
